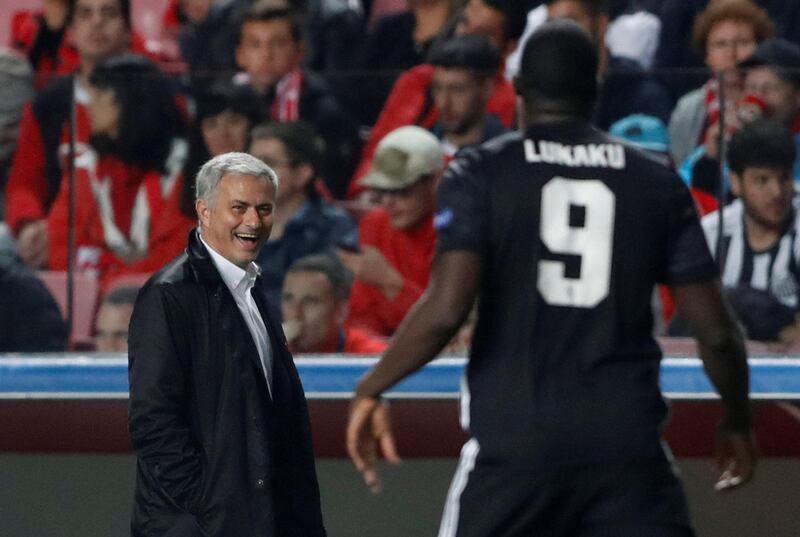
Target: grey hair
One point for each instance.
(214, 170)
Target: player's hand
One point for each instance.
(368, 427)
(736, 458)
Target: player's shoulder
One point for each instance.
(472, 158)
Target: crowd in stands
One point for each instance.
(359, 106)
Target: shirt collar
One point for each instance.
(237, 279)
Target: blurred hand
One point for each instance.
(369, 427)
(32, 244)
(735, 454)
(372, 268)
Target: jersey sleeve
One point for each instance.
(462, 214)
(688, 259)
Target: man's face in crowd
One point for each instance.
(575, 11)
(225, 132)
(481, 19)
(782, 99)
(294, 177)
(766, 193)
(460, 97)
(111, 327)
(729, 42)
(309, 301)
(99, 30)
(238, 221)
(268, 51)
(409, 206)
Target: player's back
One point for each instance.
(574, 230)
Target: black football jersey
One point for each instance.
(574, 229)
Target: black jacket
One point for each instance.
(216, 456)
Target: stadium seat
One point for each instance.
(86, 293)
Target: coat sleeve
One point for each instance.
(158, 417)
(27, 188)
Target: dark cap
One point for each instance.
(779, 53)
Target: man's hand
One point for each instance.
(369, 426)
(736, 458)
(32, 244)
(372, 268)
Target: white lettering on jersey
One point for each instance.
(583, 155)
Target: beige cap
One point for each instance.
(402, 157)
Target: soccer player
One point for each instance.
(563, 232)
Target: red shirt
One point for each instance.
(411, 253)
(351, 340)
(409, 103)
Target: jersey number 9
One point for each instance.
(593, 241)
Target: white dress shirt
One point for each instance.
(240, 282)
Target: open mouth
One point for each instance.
(248, 240)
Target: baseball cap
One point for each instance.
(403, 156)
(647, 132)
(779, 53)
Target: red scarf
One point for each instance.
(286, 106)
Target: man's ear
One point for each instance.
(202, 211)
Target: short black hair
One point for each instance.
(515, 13)
(267, 10)
(558, 70)
(212, 97)
(763, 143)
(150, 118)
(340, 278)
(124, 6)
(300, 140)
(472, 52)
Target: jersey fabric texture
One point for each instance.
(774, 270)
(574, 229)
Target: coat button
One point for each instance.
(259, 484)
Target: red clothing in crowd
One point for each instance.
(408, 251)
(410, 103)
(25, 28)
(31, 182)
(140, 230)
(350, 340)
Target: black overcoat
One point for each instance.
(216, 455)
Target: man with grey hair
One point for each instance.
(217, 414)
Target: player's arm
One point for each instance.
(430, 324)
(724, 357)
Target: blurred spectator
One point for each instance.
(727, 32)
(128, 179)
(314, 305)
(100, 30)
(208, 35)
(334, 30)
(113, 318)
(646, 132)
(270, 51)
(463, 83)
(760, 235)
(399, 41)
(40, 35)
(397, 240)
(225, 113)
(30, 320)
(303, 223)
(626, 88)
(772, 80)
(411, 102)
(16, 89)
(462, 341)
